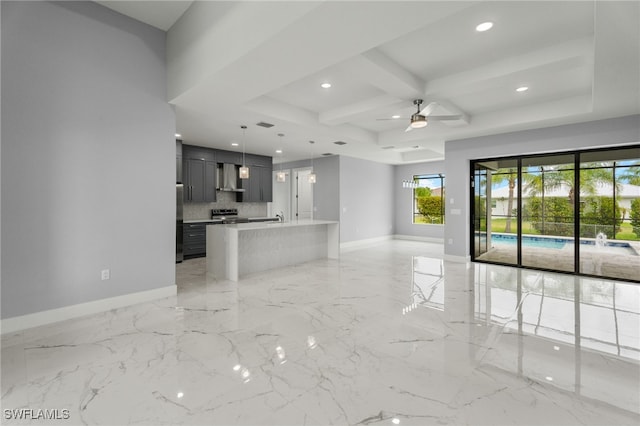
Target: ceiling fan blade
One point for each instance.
(443, 117)
(429, 108)
(408, 129)
(392, 119)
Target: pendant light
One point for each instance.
(280, 175)
(312, 175)
(244, 170)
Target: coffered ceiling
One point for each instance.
(235, 63)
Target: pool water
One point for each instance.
(554, 243)
(560, 243)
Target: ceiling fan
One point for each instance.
(421, 117)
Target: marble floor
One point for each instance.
(388, 335)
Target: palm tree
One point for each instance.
(632, 174)
(555, 177)
(511, 176)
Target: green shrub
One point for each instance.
(599, 214)
(549, 216)
(431, 208)
(634, 214)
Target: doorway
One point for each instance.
(294, 197)
(281, 196)
(303, 195)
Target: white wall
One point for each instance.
(404, 201)
(595, 134)
(366, 199)
(88, 164)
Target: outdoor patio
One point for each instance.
(604, 261)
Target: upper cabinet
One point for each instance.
(229, 157)
(178, 161)
(198, 174)
(259, 187)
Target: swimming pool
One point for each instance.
(529, 241)
(560, 243)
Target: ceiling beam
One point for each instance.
(561, 56)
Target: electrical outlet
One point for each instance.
(106, 274)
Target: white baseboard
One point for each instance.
(354, 245)
(416, 238)
(23, 322)
(457, 259)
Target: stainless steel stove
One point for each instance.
(228, 216)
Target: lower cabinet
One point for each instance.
(194, 243)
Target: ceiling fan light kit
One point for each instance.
(418, 121)
(421, 117)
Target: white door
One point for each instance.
(303, 199)
(282, 196)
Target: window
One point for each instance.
(428, 199)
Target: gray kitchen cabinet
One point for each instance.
(178, 161)
(229, 157)
(199, 179)
(259, 187)
(194, 240)
(198, 153)
(266, 184)
(258, 160)
(198, 174)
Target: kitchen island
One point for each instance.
(235, 250)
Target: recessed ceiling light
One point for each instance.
(278, 151)
(522, 89)
(325, 85)
(485, 26)
(395, 116)
(549, 378)
(234, 144)
(178, 135)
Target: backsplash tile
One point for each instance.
(226, 200)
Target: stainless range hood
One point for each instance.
(228, 178)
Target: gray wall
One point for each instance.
(88, 164)
(366, 199)
(404, 200)
(595, 134)
(326, 191)
(358, 193)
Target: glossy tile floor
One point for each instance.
(387, 335)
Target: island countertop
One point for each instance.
(234, 250)
(270, 225)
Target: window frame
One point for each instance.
(442, 187)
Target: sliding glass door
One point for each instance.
(496, 210)
(479, 216)
(548, 198)
(575, 212)
(609, 206)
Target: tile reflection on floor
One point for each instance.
(387, 335)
